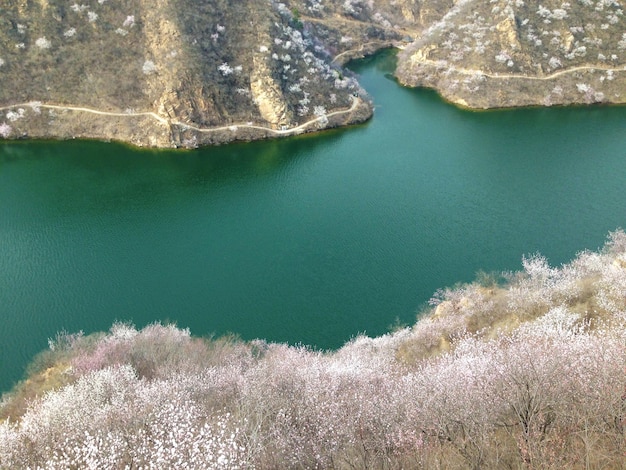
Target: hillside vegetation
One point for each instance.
(502, 53)
(529, 373)
(184, 73)
(165, 73)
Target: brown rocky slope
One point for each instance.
(186, 73)
(166, 73)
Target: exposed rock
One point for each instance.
(267, 95)
(508, 34)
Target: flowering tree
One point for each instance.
(543, 392)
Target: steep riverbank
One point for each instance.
(186, 74)
(168, 74)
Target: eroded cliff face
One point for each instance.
(173, 73)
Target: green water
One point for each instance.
(311, 239)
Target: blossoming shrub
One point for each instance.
(485, 381)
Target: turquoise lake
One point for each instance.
(311, 240)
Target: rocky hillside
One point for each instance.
(501, 53)
(186, 73)
(166, 73)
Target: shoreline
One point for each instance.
(360, 111)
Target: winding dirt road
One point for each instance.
(173, 122)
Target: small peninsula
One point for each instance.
(192, 73)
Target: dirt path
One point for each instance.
(381, 43)
(365, 24)
(293, 130)
(362, 48)
(521, 76)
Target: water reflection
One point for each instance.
(83, 176)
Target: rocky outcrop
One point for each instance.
(267, 94)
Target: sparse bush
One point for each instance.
(5, 130)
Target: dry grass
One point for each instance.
(35, 386)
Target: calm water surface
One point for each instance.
(312, 239)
